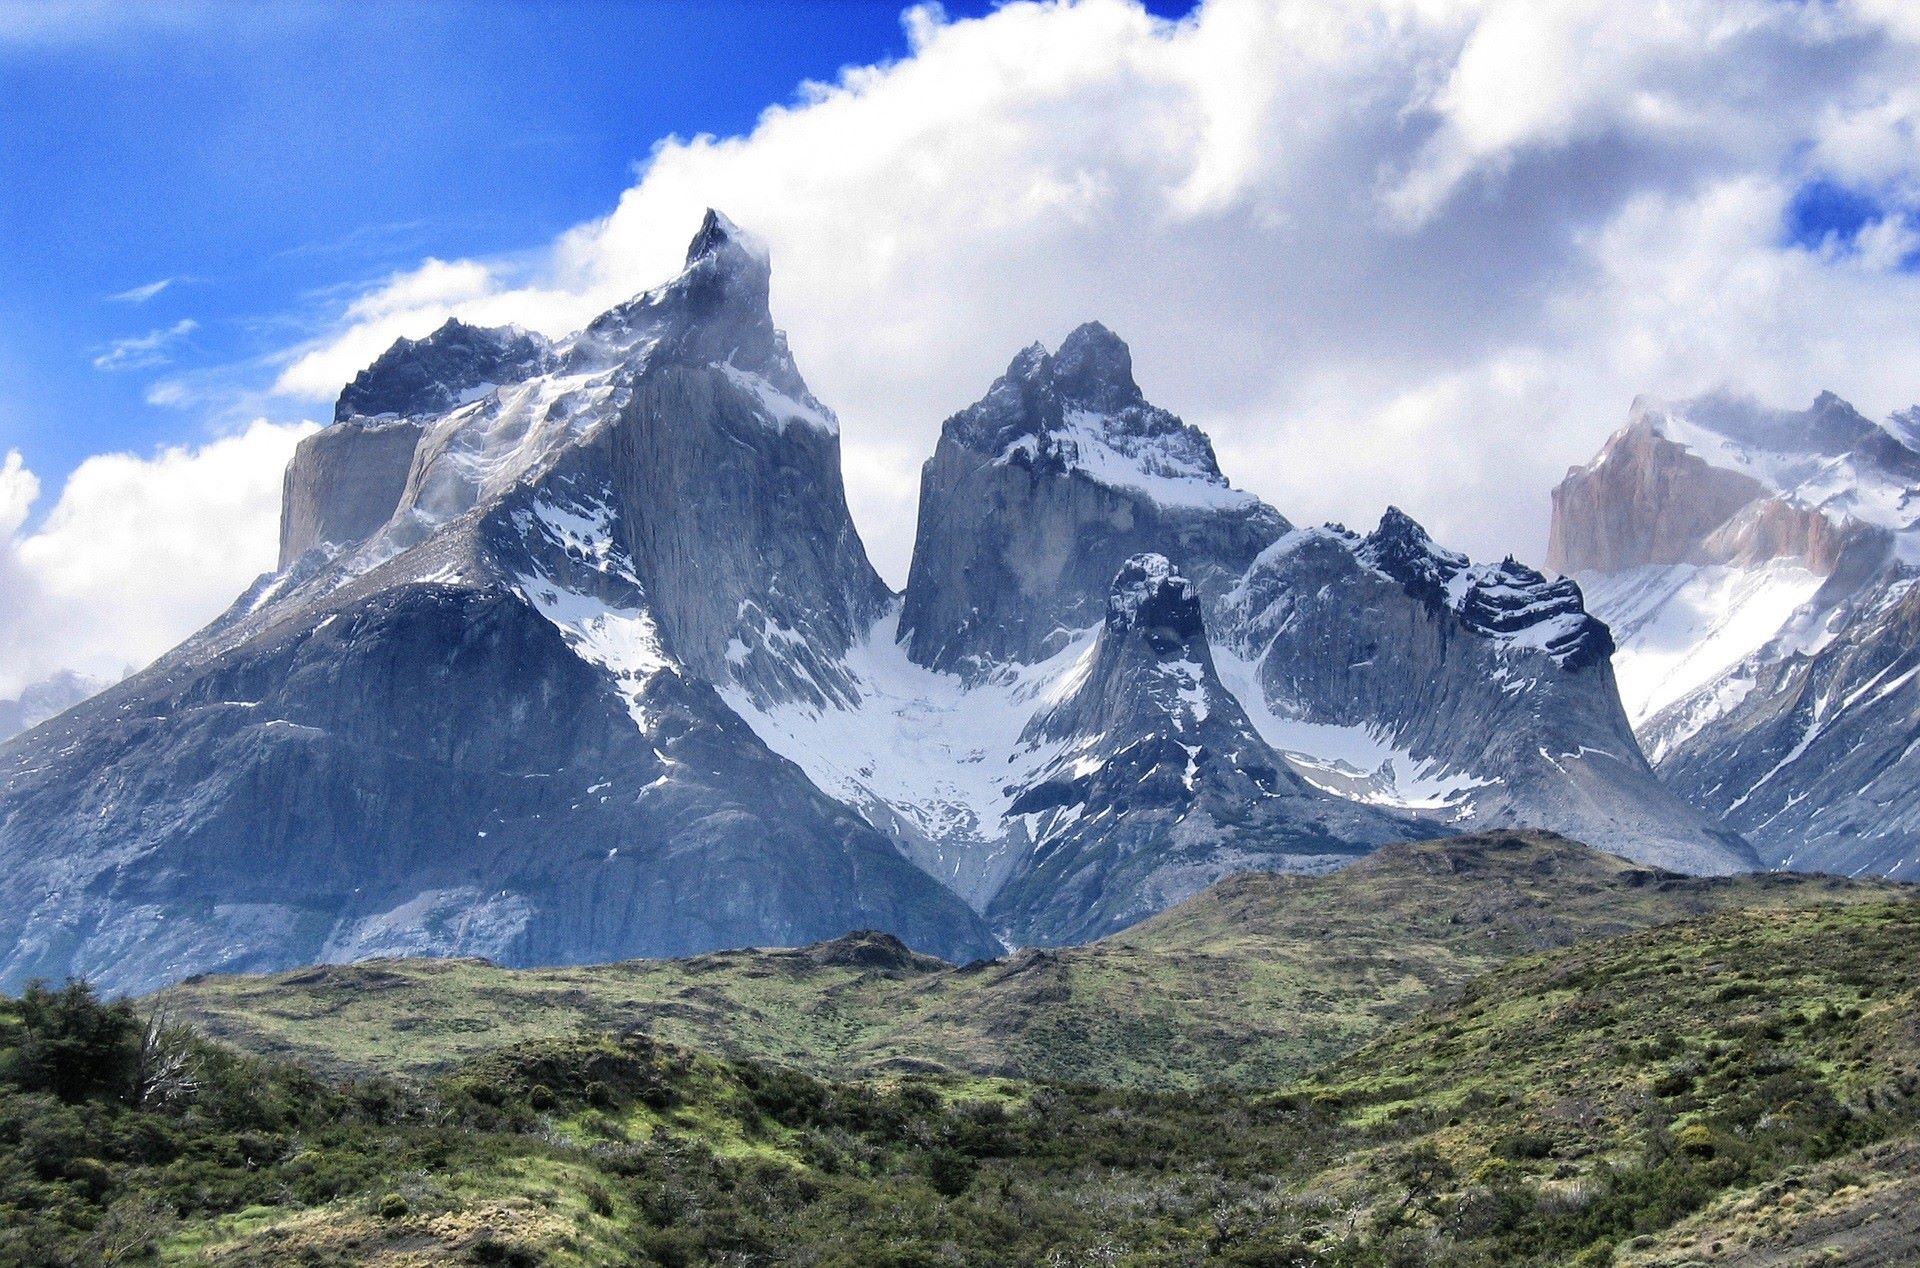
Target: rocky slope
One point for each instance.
(1757, 567)
(1164, 786)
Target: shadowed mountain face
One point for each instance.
(574, 653)
(487, 726)
(1758, 569)
(1166, 786)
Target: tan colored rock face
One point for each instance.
(1770, 528)
(1644, 500)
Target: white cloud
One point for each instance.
(141, 294)
(1418, 251)
(143, 352)
(136, 553)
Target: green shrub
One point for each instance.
(1696, 1140)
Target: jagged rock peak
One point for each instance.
(1150, 597)
(714, 312)
(1079, 410)
(720, 239)
(1094, 367)
(1403, 550)
(436, 373)
(1509, 602)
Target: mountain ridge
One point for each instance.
(579, 655)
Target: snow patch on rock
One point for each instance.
(937, 757)
(1359, 763)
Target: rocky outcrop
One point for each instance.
(455, 364)
(1038, 493)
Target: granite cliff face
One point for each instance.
(574, 654)
(490, 726)
(1756, 566)
(1038, 493)
(344, 483)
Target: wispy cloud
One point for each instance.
(143, 352)
(363, 240)
(170, 394)
(141, 294)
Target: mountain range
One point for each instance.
(573, 653)
(1757, 568)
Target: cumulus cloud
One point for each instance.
(1384, 251)
(144, 352)
(136, 552)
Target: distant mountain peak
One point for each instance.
(1756, 566)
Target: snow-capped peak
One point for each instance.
(1508, 602)
(718, 234)
(1079, 410)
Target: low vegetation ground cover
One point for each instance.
(1254, 982)
(1748, 1080)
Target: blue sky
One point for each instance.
(267, 157)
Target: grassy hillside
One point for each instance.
(1255, 981)
(1595, 1096)
(1747, 1080)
